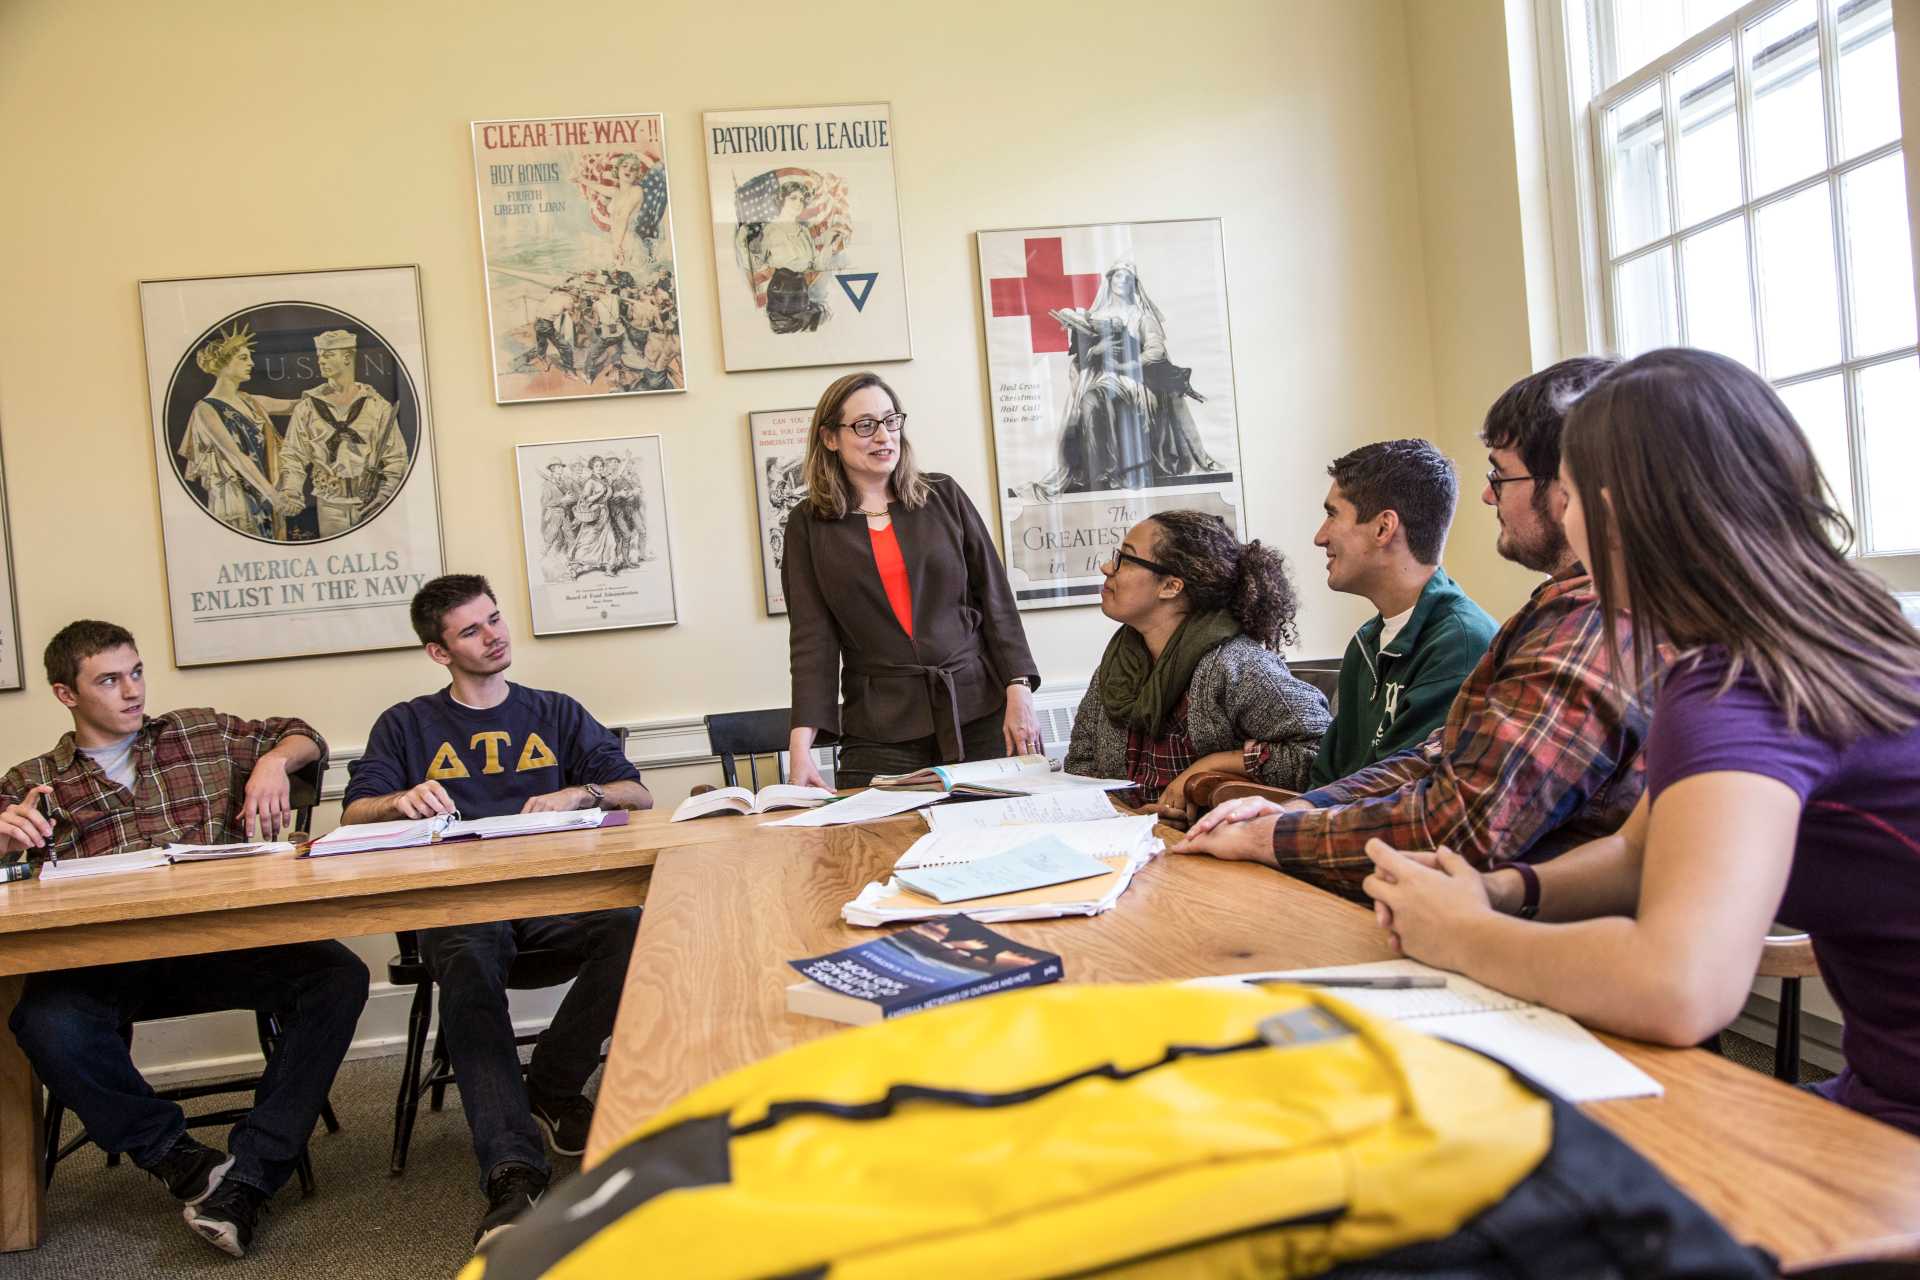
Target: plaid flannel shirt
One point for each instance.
(190, 770)
(1539, 752)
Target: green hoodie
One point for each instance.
(1391, 699)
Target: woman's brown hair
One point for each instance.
(1728, 535)
(1250, 582)
(827, 490)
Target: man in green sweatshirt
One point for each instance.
(1388, 511)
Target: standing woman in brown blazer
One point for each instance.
(906, 646)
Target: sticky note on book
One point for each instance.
(1030, 866)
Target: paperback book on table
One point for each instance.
(933, 963)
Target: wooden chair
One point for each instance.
(1788, 957)
(732, 734)
(303, 794)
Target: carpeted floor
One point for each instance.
(360, 1224)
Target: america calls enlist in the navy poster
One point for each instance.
(806, 236)
(293, 443)
(1110, 375)
(577, 232)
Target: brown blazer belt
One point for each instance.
(940, 691)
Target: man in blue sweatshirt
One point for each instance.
(1388, 511)
(484, 747)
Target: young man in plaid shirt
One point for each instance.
(125, 780)
(1540, 750)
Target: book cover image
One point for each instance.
(933, 962)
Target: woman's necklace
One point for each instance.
(871, 515)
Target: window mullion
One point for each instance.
(1742, 116)
(1670, 121)
(1828, 31)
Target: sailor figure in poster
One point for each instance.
(345, 438)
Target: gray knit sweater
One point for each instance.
(1240, 690)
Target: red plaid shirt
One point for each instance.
(1540, 752)
(190, 772)
(1152, 763)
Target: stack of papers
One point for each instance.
(1082, 804)
(1543, 1044)
(1009, 776)
(1121, 846)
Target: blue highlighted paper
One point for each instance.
(1035, 865)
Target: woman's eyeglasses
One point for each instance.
(1113, 564)
(865, 427)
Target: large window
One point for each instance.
(1752, 200)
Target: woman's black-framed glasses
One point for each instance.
(1495, 480)
(895, 422)
(1144, 563)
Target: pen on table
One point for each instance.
(45, 802)
(1396, 982)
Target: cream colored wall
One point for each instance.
(1471, 228)
(153, 140)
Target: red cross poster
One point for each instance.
(1110, 371)
(806, 236)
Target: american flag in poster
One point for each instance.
(599, 179)
(829, 224)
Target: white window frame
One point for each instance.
(1574, 119)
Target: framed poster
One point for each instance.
(806, 237)
(1111, 379)
(576, 233)
(293, 445)
(13, 668)
(779, 439)
(593, 515)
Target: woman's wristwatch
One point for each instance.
(1025, 682)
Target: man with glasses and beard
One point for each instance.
(1540, 750)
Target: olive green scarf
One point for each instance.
(1141, 693)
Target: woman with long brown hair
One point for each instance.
(1193, 680)
(1783, 767)
(904, 639)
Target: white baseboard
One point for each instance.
(176, 1051)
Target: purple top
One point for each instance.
(1855, 883)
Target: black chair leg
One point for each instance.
(1786, 1033)
(328, 1118)
(438, 1070)
(55, 1114)
(408, 1106)
(304, 1169)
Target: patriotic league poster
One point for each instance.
(577, 236)
(1110, 373)
(806, 237)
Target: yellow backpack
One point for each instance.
(1138, 1131)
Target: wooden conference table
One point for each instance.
(706, 993)
(219, 906)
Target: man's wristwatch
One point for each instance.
(595, 794)
(1025, 682)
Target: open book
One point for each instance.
(1543, 1044)
(148, 859)
(1008, 776)
(739, 800)
(408, 833)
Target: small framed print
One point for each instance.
(779, 439)
(594, 518)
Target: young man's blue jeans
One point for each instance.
(470, 962)
(69, 1025)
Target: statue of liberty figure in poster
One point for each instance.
(577, 233)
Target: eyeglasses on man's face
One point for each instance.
(1495, 480)
(895, 422)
